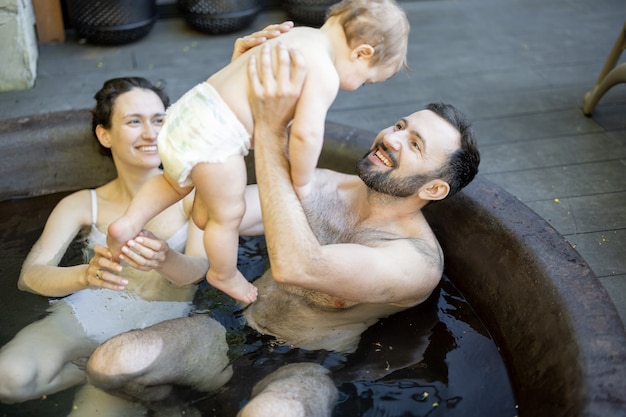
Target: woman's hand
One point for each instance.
(257, 38)
(145, 252)
(102, 271)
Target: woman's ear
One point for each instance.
(434, 190)
(363, 51)
(103, 136)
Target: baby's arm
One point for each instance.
(306, 135)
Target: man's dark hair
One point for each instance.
(463, 163)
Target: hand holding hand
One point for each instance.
(145, 252)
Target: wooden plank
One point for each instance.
(603, 251)
(616, 287)
(49, 20)
(585, 214)
(549, 152)
(564, 181)
(535, 125)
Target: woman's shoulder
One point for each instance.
(76, 200)
(76, 204)
(70, 214)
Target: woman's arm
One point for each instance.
(40, 272)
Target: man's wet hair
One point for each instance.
(463, 163)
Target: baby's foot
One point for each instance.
(118, 233)
(237, 287)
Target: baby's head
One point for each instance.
(381, 24)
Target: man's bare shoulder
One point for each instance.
(416, 236)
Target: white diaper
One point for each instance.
(199, 127)
(106, 313)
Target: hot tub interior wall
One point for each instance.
(517, 272)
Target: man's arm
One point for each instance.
(394, 271)
(273, 101)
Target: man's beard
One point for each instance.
(383, 182)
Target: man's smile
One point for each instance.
(382, 156)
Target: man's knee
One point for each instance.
(121, 358)
(104, 366)
(273, 405)
(295, 390)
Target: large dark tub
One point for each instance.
(557, 329)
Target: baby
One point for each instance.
(207, 132)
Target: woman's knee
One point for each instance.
(19, 379)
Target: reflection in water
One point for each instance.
(436, 359)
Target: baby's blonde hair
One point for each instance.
(381, 24)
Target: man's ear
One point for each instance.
(103, 136)
(363, 51)
(434, 190)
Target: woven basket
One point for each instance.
(308, 12)
(112, 22)
(219, 16)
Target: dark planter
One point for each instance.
(219, 16)
(308, 12)
(112, 22)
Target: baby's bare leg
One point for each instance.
(221, 188)
(157, 194)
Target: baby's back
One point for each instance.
(231, 82)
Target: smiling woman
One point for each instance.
(126, 119)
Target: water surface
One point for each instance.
(436, 359)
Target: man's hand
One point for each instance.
(257, 38)
(274, 94)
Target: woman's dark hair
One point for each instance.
(108, 94)
(463, 163)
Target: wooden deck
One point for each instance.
(519, 68)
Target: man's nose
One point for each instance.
(393, 140)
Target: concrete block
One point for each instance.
(18, 45)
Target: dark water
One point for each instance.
(436, 359)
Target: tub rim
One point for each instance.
(578, 311)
